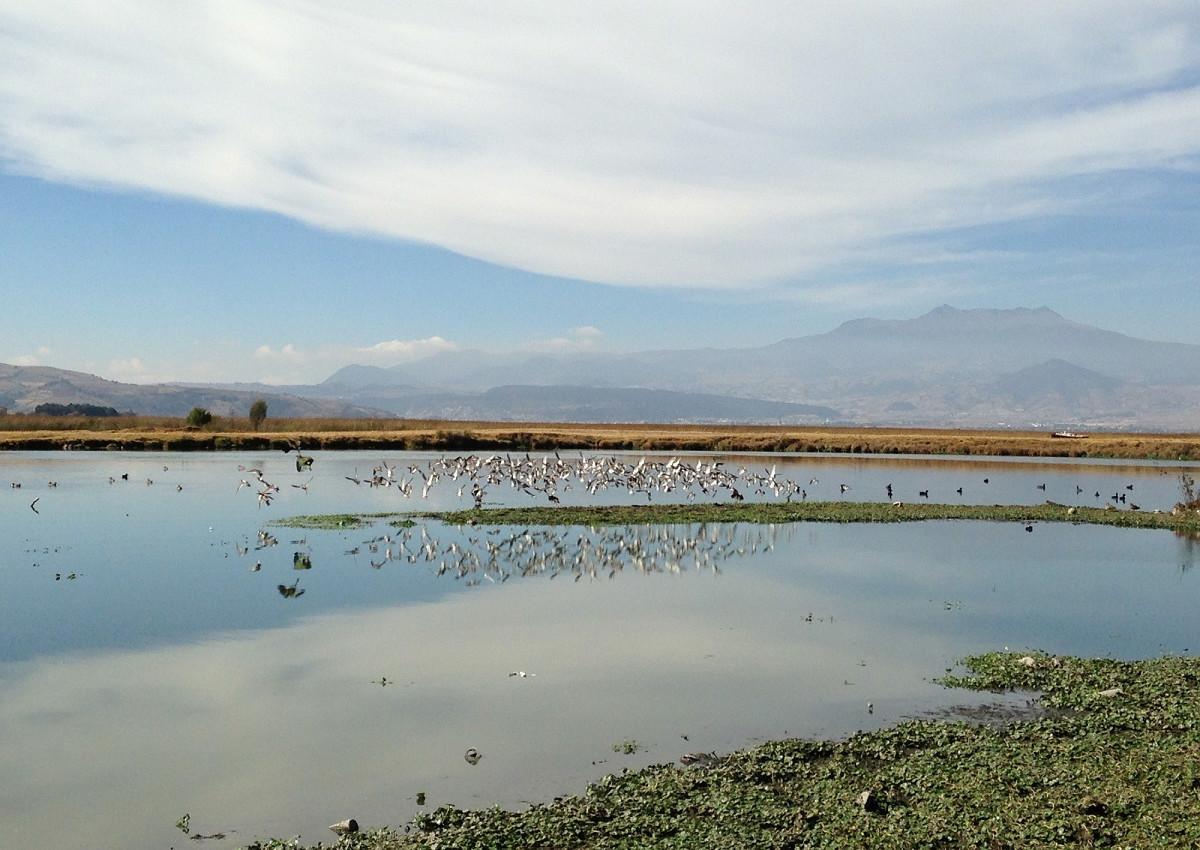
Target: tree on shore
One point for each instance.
(198, 416)
(258, 412)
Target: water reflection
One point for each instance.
(1189, 542)
(496, 554)
(237, 672)
(282, 730)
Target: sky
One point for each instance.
(267, 191)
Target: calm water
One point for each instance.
(191, 665)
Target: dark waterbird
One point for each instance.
(290, 591)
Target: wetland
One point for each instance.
(268, 676)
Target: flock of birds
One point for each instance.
(551, 477)
(548, 477)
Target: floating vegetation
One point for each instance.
(760, 512)
(1117, 763)
(330, 521)
(628, 747)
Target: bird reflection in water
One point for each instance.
(499, 553)
(1188, 542)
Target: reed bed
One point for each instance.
(163, 433)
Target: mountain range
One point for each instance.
(969, 368)
(22, 388)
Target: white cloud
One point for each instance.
(288, 353)
(130, 370)
(720, 146)
(394, 351)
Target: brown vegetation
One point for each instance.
(18, 431)
(1190, 495)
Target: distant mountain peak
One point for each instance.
(945, 311)
(948, 318)
(1055, 377)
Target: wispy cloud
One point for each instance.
(698, 147)
(290, 364)
(582, 338)
(36, 359)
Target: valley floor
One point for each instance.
(399, 435)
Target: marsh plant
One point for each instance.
(1190, 496)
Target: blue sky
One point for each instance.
(193, 193)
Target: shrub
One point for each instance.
(258, 412)
(74, 409)
(198, 416)
(1189, 492)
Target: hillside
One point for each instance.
(22, 388)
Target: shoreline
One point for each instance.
(380, 435)
(1114, 760)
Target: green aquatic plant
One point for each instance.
(781, 512)
(332, 521)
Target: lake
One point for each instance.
(164, 649)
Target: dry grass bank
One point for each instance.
(147, 433)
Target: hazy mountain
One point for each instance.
(592, 404)
(949, 366)
(22, 388)
(355, 375)
(1054, 379)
